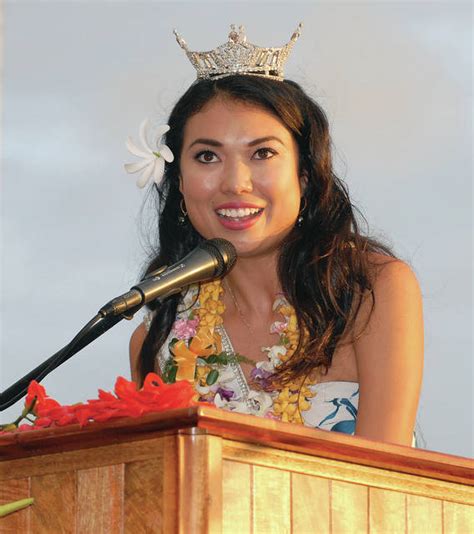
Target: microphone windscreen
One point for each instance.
(223, 251)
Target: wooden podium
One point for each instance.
(207, 470)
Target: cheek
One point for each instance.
(195, 188)
(284, 188)
(196, 183)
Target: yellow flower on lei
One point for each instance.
(211, 308)
(294, 397)
(204, 342)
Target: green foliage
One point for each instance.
(169, 372)
(212, 377)
(225, 359)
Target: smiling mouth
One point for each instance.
(239, 214)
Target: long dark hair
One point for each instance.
(327, 255)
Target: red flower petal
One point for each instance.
(155, 396)
(35, 391)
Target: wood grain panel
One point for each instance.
(347, 472)
(310, 504)
(348, 508)
(236, 497)
(82, 458)
(54, 509)
(424, 515)
(387, 511)
(271, 501)
(100, 500)
(73, 437)
(14, 490)
(336, 445)
(458, 518)
(144, 496)
(200, 483)
(170, 504)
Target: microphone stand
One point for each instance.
(97, 326)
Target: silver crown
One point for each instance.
(237, 56)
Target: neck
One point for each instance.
(254, 283)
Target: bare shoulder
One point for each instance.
(138, 337)
(394, 283)
(391, 273)
(395, 295)
(389, 352)
(136, 343)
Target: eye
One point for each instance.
(206, 156)
(265, 153)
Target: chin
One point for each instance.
(255, 249)
(248, 246)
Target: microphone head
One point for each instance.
(224, 253)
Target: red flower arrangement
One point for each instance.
(126, 401)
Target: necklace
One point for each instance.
(198, 357)
(240, 312)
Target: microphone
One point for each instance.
(211, 259)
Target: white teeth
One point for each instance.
(237, 213)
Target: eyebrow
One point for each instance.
(213, 142)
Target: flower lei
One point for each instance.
(197, 356)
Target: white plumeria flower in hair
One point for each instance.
(152, 162)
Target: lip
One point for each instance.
(237, 205)
(239, 225)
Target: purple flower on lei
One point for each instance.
(185, 328)
(225, 394)
(260, 375)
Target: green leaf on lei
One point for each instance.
(169, 372)
(240, 358)
(223, 359)
(212, 377)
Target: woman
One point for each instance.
(329, 321)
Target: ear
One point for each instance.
(303, 182)
(180, 184)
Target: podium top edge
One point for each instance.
(244, 428)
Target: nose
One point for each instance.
(237, 178)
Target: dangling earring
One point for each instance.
(300, 219)
(184, 213)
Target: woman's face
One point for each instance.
(239, 176)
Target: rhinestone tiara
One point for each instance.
(238, 56)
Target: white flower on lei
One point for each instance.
(152, 162)
(279, 301)
(265, 366)
(202, 390)
(278, 327)
(226, 374)
(274, 354)
(260, 402)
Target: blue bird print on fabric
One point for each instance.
(347, 426)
